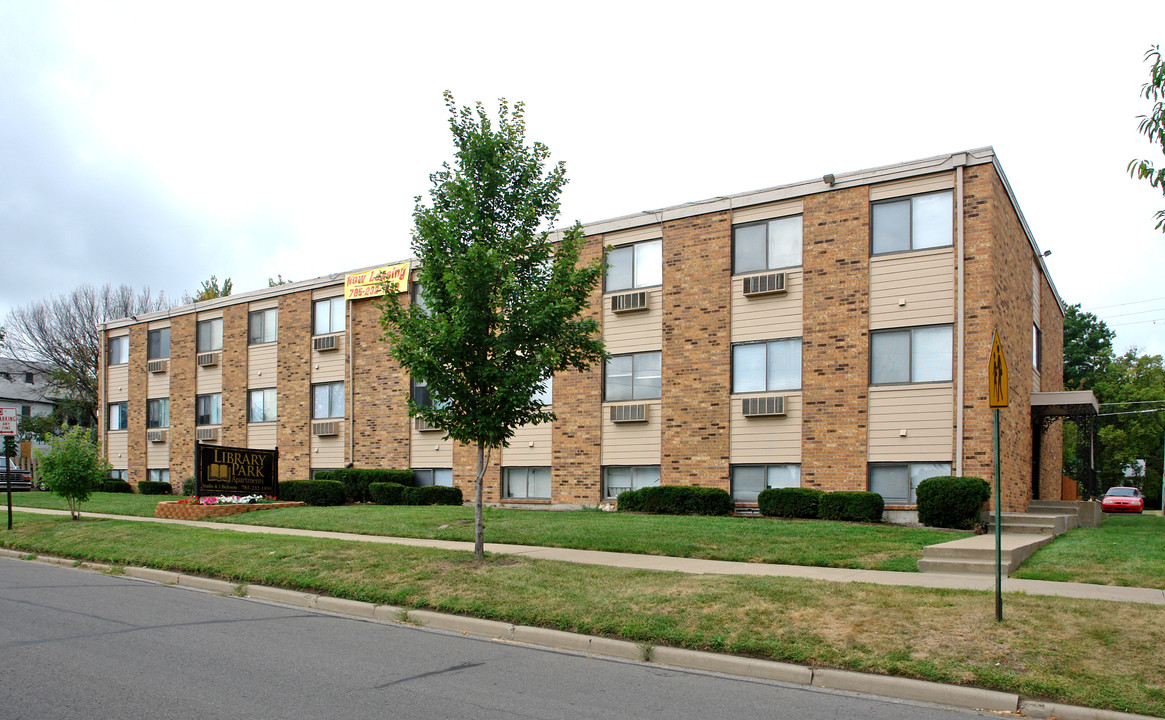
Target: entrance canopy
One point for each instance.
(1070, 404)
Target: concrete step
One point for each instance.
(961, 566)
(1066, 507)
(977, 554)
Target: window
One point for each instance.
(433, 476)
(915, 223)
(911, 356)
(158, 413)
(159, 475)
(1037, 349)
(527, 482)
(117, 474)
(749, 480)
(633, 377)
(118, 353)
(421, 393)
(117, 416)
(766, 366)
(25, 411)
(897, 483)
(158, 346)
(635, 266)
(262, 326)
(208, 409)
(29, 378)
(418, 298)
(210, 335)
(767, 245)
(261, 405)
(621, 479)
(329, 316)
(327, 400)
(545, 394)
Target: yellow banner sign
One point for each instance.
(371, 283)
(997, 375)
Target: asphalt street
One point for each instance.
(80, 644)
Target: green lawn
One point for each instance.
(762, 540)
(111, 503)
(1067, 650)
(1125, 550)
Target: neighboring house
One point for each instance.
(26, 387)
(833, 333)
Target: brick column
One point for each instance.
(835, 340)
(697, 350)
(293, 435)
(234, 376)
(1052, 377)
(136, 405)
(182, 383)
(378, 396)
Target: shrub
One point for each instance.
(676, 500)
(149, 487)
(386, 493)
(790, 502)
(188, 486)
(432, 495)
(851, 506)
(951, 502)
(357, 480)
(116, 486)
(313, 492)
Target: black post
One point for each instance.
(197, 470)
(8, 483)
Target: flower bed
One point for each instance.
(187, 510)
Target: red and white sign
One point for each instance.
(9, 416)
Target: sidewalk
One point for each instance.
(694, 566)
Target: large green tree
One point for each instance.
(1087, 348)
(1132, 422)
(502, 302)
(1152, 126)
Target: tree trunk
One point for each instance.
(478, 524)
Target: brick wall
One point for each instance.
(293, 434)
(182, 381)
(578, 403)
(234, 376)
(697, 351)
(1052, 380)
(835, 340)
(378, 396)
(465, 473)
(136, 405)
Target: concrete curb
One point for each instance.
(825, 678)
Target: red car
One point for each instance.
(1123, 499)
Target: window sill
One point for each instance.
(527, 501)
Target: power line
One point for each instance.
(1132, 402)
(1137, 322)
(1137, 312)
(1134, 302)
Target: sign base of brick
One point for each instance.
(171, 509)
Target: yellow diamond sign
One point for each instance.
(997, 375)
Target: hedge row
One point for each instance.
(387, 493)
(809, 503)
(116, 486)
(951, 501)
(313, 492)
(357, 480)
(676, 500)
(148, 487)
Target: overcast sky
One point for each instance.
(156, 143)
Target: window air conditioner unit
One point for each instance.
(629, 413)
(423, 426)
(325, 429)
(156, 436)
(629, 302)
(769, 406)
(208, 359)
(208, 434)
(324, 343)
(158, 366)
(770, 284)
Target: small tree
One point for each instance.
(73, 468)
(501, 301)
(1152, 126)
(210, 290)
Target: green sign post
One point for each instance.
(997, 397)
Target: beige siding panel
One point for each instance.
(328, 452)
(1035, 380)
(157, 384)
(530, 446)
(912, 289)
(913, 186)
(158, 457)
(766, 439)
(263, 304)
(209, 315)
(634, 331)
(767, 211)
(158, 324)
(632, 443)
(208, 380)
(330, 366)
(925, 412)
(1036, 286)
(428, 450)
(117, 380)
(328, 292)
(117, 449)
(767, 317)
(261, 436)
(262, 365)
(639, 234)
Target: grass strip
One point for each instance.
(1124, 550)
(1082, 652)
(100, 502)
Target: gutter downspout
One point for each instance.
(351, 391)
(961, 354)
